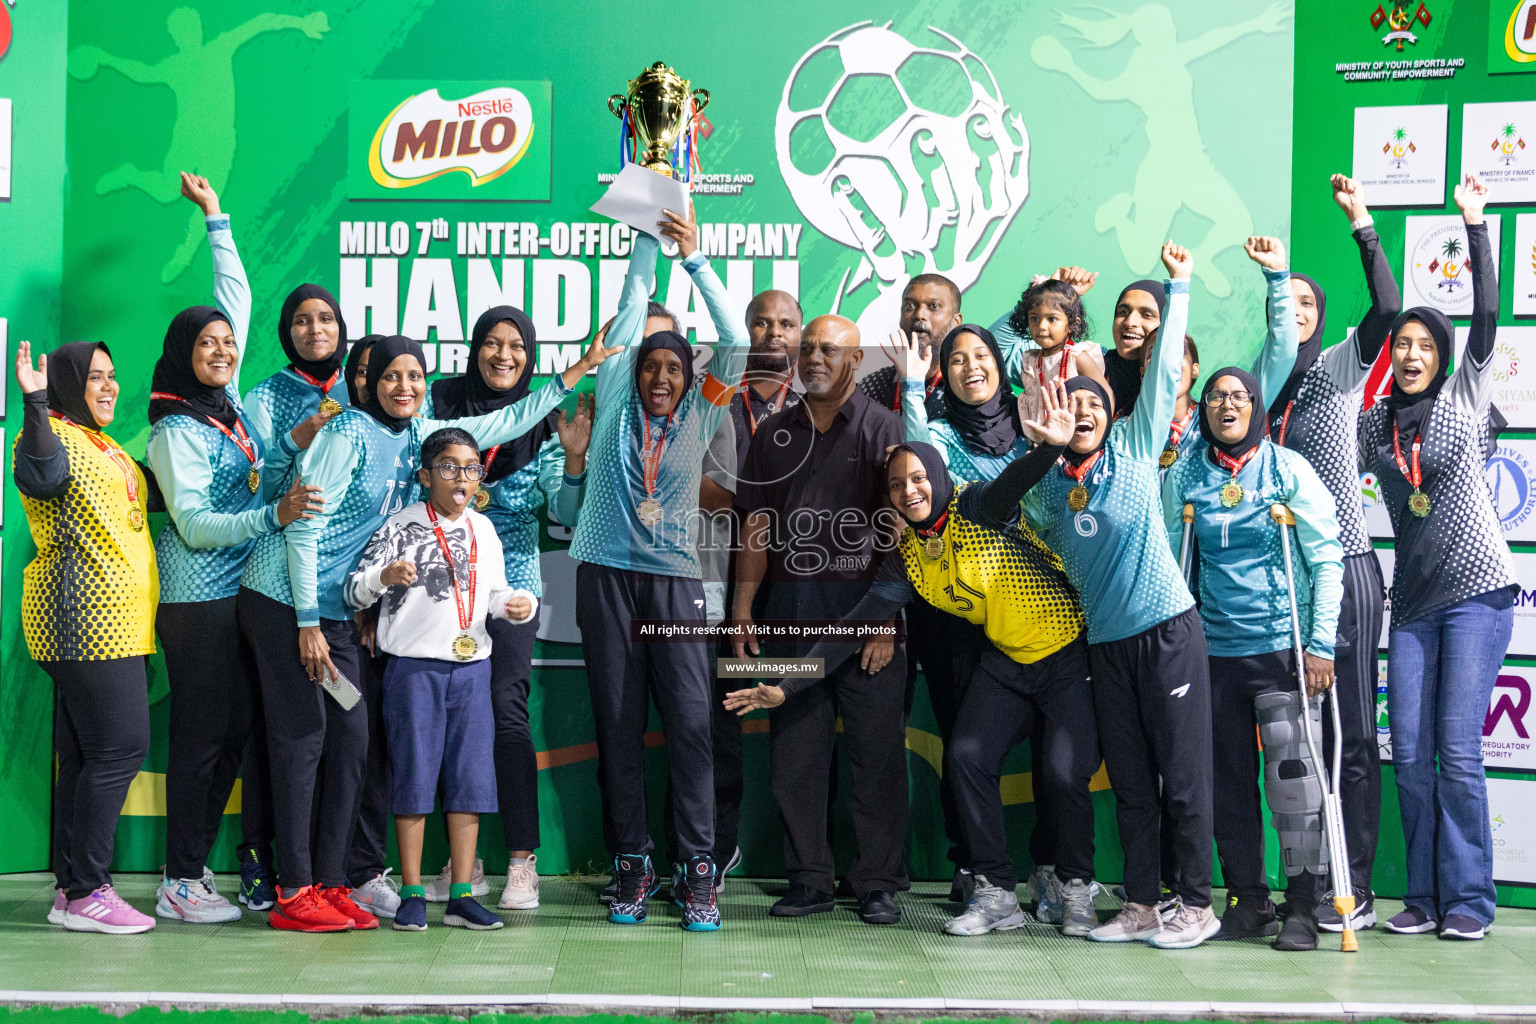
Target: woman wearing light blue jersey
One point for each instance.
(207, 458)
(294, 612)
(1232, 478)
(1100, 511)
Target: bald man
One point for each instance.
(817, 520)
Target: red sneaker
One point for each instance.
(307, 911)
(340, 897)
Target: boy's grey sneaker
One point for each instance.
(1363, 919)
(1045, 891)
(441, 887)
(1134, 923)
(1078, 917)
(730, 866)
(1189, 927)
(411, 915)
(380, 895)
(465, 912)
(991, 909)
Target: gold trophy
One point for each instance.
(659, 113)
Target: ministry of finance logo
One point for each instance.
(1508, 144)
(1400, 21)
(908, 154)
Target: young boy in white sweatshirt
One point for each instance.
(437, 566)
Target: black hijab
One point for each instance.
(354, 357)
(323, 368)
(938, 479)
(674, 341)
(1124, 375)
(992, 426)
(385, 351)
(1258, 426)
(1307, 351)
(1081, 383)
(174, 374)
(1412, 411)
(470, 395)
(69, 367)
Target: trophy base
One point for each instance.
(661, 167)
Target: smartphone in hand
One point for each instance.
(342, 690)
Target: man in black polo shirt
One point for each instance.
(813, 492)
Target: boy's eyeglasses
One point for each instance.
(1240, 399)
(449, 471)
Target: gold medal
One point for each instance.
(464, 647)
(482, 500)
(329, 406)
(253, 481)
(1077, 498)
(933, 547)
(649, 511)
(136, 518)
(1418, 503)
(1168, 458)
(1231, 493)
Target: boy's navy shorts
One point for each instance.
(438, 724)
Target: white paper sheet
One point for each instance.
(637, 197)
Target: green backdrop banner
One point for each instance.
(840, 157)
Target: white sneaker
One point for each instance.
(1134, 923)
(380, 895)
(991, 909)
(1189, 928)
(439, 889)
(1045, 889)
(1078, 917)
(522, 891)
(194, 900)
(59, 909)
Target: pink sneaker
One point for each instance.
(60, 907)
(105, 911)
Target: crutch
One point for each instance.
(1333, 812)
(1184, 548)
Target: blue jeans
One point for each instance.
(1441, 672)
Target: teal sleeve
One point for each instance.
(231, 291)
(1278, 356)
(330, 462)
(914, 413)
(1173, 508)
(513, 421)
(562, 491)
(731, 350)
(180, 462)
(277, 451)
(615, 377)
(1014, 348)
(1317, 534)
(1146, 429)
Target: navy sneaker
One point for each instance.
(256, 882)
(700, 914)
(637, 880)
(411, 916)
(466, 912)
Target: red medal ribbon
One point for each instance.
(928, 389)
(242, 441)
(466, 616)
(1414, 473)
(1061, 371)
(936, 529)
(324, 386)
(1176, 431)
(1227, 462)
(1080, 473)
(117, 455)
(490, 456)
(1285, 422)
(774, 405)
(651, 465)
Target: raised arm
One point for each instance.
(231, 289)
(39, 463)
(907, 356)
(627, 328)
(1472, 391)
(731, 350)
(1147, 427)
(1281, 339)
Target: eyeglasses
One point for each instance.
(1240, 399)
(448, 471)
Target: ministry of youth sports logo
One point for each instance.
(907, 154)
(1510, 484)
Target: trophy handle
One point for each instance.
(700, 99)
(616, 105)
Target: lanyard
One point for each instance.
(774, 405)
(466, 615)
(117, 455)
(651, 465)
(1414, 473)
(1176, 431)
(239, 436)
(927, 390)
(324, 386)
(937, 528)
(1080, 473)
(1061, 371)
(1285, 422)
(1230, 464)
(490, 456)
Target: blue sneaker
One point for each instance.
(466, 912)
(411, 915)
(637, 880)
(256, 882)
(700, 914)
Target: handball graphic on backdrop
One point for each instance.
(425, 161)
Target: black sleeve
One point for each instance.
(1485, 297)
(1386, 299)
(41, 463)
(995, 503)
(889, 592)
(154, 501)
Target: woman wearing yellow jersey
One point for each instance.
(88, 611)
(966, 552)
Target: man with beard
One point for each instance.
(930, 309)
(813, 492)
